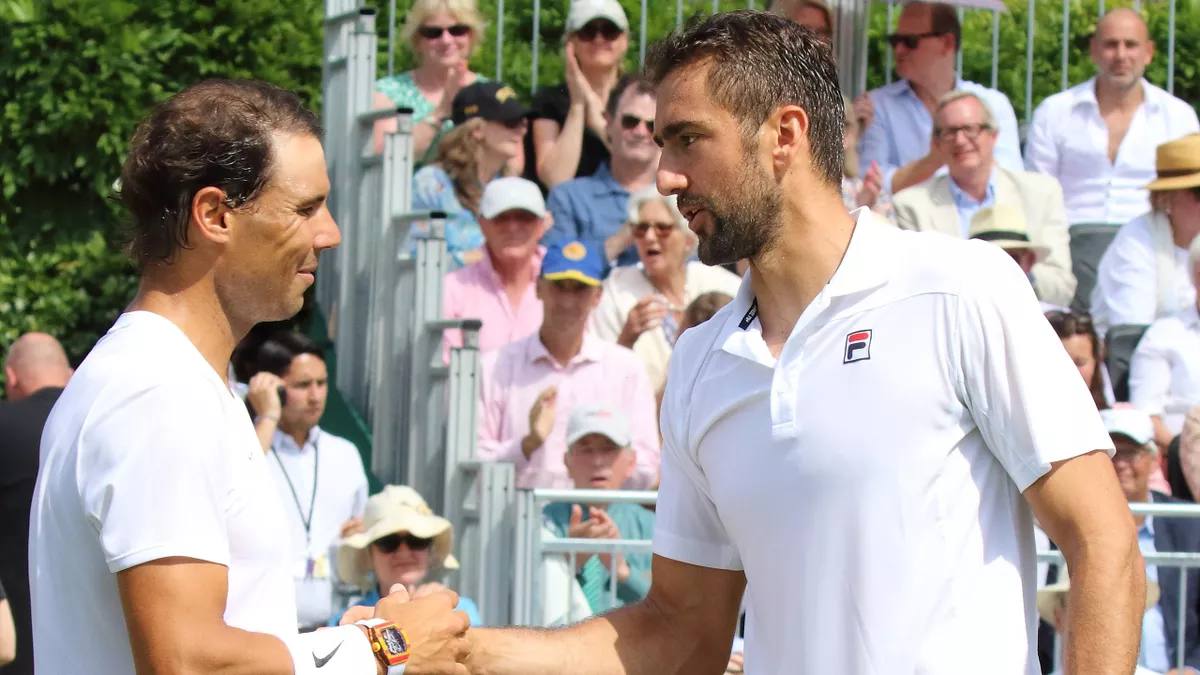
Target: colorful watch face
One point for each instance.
(395, 647)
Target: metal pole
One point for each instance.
(537, 40)
(995, 48)
(678, 13)
(716, 6)
(1183, 583)
(1171, 48)
(887, 63)
(1066, 38)
(642, 36)
(499, 40)
(1101, 8)
(1029, 34)
(958, 59)
(391, 37)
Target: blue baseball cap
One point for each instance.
(575, 260)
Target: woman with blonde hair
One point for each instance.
(442, 35)
(867, 190)
(490, 127)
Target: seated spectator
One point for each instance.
(594, 208)
(1135, 461)
(1164, 373)
(965, 136)
(866, 190)
(442, 35)
(400, 541)
(1079, 339)
(489, 124)
(529, 388)
(1144, 274)
(1097, 137)
(499, 288)
(319, 477)
(812, 14)
(703, 308)
(599, 457)
(642, 306)
(927, 39)
(1052, 608)
(569, 129)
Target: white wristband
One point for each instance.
(344, 650)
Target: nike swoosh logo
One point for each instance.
(320, 662)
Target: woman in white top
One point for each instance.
(642, 306)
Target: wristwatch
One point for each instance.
(389, 644)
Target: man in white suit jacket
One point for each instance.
(964, 131)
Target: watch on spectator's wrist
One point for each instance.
(388, 643)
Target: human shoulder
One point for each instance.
(889, 91)
(432, 173)
(613, 355)
(921, 194)
(1059, 103)
(500, 360)
(1032, 182)
(337, 446)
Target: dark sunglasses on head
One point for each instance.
(661, 229)
(390, 543)
(909, 41)
(631, 122)
(606, 29)
(435, 32)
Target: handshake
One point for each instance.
(437, 634)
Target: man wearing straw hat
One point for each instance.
(1004, 226)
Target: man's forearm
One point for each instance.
(915, 173)
(1106, 603)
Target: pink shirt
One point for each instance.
(475, 292)
(601, 372)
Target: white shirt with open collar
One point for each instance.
(868, 481)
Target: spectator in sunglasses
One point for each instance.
(643, 305)
(899, 140)
(569, 129)
(594, 208)
(490, 123)
(402, 541)
(442, 34)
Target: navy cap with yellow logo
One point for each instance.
(576, 261)
(493, 101)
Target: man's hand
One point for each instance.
(541, 421)
(352, 526)
(864, 112)
(615, 245)
(436, 633)
(428, 589)
(646, 315)
(599, 525)
(264, 395)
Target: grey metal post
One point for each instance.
(391, 52)
(716, 6)
(1066, 39)
(958, 58)
(1182, 618)
(1101, 8)
(499, 40)
(995, 48)
(537, 45)
(1029, 34)
(887, 52)
(678, 13)
(1171, 47)
(642, 36)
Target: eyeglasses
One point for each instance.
(435, 32)
(909, 41)
(390, 543)
(661, 229)
(606, 29)
(631, 122)
(971, 131)
(1066, 324)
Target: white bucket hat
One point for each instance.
(398, 508)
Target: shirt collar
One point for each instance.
(963, 200)
(536, 351)
(1086, 94)
(283, 441)
(603, 182)
(489, 270)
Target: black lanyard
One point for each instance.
(295, 497)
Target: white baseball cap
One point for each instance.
(583, 11)
(597, 419)
(511, 192)
(1129, 422)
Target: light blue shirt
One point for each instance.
(590, 209)
(1153, 654)
(433, 190)
(967, 206)
(903, 128)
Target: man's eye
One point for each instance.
(687, 139)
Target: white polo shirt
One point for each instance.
(321, 486)
(148, 455)
(868, 482)
(1164, 373)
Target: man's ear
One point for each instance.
(208, 214)
(10, 378)
(791, 134)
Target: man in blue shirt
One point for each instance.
(594, 208)
(926, 41)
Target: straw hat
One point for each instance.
(1178, 164)
(398, 508)
(1048, 597)
(1004, 225)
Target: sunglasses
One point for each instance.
(631, 122)
(606, 29)
(909, 41)
(435, 32)
(661, 229)
(390, 543)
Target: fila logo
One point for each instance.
(858, 346)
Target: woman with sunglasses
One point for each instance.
(568, 119)
(642, 307)
(401, 541)
(442, 34)
(490, 124)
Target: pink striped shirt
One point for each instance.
(476, 292)
(601, 372)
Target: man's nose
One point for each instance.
(669, 181)
(328, 234)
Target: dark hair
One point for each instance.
(1070, 324)
(216, 133)
(703, 308)
(639, 85)
(275, 354)
(761, 61)
(943, 20)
